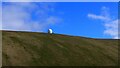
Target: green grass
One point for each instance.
(42, 49)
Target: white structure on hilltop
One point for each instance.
(50, 31)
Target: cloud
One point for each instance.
(97, 17)
(110, 24)
(52, 20)
(112, 28)
(18, 16)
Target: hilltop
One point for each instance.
(42, 49)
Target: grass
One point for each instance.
(42, 49)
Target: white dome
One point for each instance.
(50, 31)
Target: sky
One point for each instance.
(60, 0)
(88, 19)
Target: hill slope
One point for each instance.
(42, 49)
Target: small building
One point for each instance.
(50, 31)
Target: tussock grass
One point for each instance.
(42, 49)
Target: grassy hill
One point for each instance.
(42, 49)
